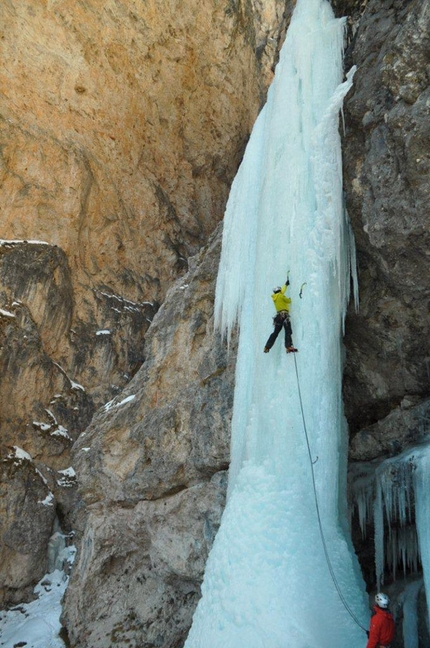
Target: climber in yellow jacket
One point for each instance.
(281, 319)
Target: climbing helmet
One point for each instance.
(382, 600)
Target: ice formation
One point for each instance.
(37, 624)
(267, 582)
(393, 495)
(410, 614)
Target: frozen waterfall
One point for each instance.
(392, 496)
(267, 583)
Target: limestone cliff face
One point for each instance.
(121, 128)
(165, 438)
(386, 153)
(387, 185)
(152, 473)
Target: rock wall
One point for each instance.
(152, 473)
(387, 188)
(132, 186)
(387, 191)
(121, 127)
(386, 378)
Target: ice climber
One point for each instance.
(281, 319)
(381, 631)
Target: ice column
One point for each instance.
(421, 458)
(267, 583)
(410, 614)
(56, 548)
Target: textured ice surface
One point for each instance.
(267, 583)
(37, 624)
(410, 614)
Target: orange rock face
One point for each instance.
(122, 124)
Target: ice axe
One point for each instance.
(301, 289)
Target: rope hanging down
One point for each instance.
(327, 557)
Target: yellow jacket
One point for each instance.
(281, 301)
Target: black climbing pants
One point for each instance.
(281, 320)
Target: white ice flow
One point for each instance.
(267, 583)
(37, 624)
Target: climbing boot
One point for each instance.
(291, 349)
(266, 350)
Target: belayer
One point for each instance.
(382, 629)
(281, 319)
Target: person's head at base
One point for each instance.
(277, 289)
(382, 600)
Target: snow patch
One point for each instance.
(68, 472)
(61, 431)
(48, 501)
(37, 624)
(11, 243)
(112, 405)
(44, 427)
(19, 454)
(68, 479)
(42, 477)
(58, 431)
(6, 313)
(76, 386)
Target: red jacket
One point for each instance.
(381, 631)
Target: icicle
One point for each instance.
(394, 477)
(378, 517)
(353, 266)
(362, 493)
(422, 510)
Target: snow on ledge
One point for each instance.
(76, 386)
(48, 501)
(61, 431)
(68, 472)
(19, 454)
(5, 313)
(7, 242)
(68, 478)
(112, 405)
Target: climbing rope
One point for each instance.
(324, 544)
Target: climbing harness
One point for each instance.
(324, 544)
